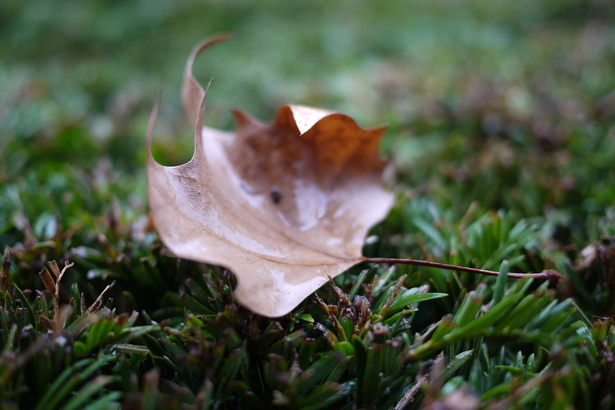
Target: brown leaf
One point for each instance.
(283, 206)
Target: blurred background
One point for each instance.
(505, 104)
(501, 140)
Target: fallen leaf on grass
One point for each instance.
(284, 206)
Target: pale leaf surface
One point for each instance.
(284, 206)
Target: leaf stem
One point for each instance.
(553, 276)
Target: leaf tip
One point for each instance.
(152, 123)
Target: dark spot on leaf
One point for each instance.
(276, 196)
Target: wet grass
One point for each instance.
(502, 144)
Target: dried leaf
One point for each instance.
(284, 206)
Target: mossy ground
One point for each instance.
(502, 139)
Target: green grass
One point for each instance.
(502, 139)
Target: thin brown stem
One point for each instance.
(550, 275)
(99, 301)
